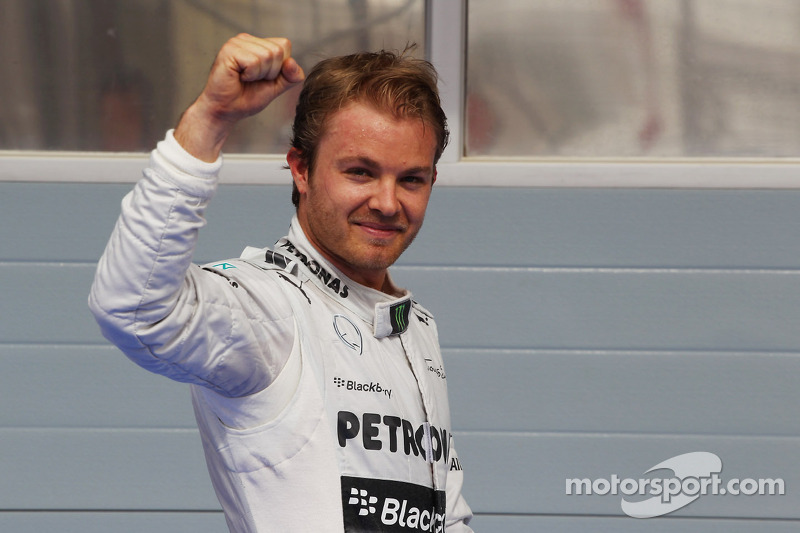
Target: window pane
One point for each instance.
(114, 75)
(622, 78)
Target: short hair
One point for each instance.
(393, 82)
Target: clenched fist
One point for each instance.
(248, 73)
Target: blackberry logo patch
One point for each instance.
(380, 505)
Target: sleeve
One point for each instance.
(458, 514)
(169, 315)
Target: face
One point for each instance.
(366, 200)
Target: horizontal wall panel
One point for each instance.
(611, 309)
(464, 226)
(501, 308)
(506, 473)
(577, 524)
(56, 221)
(494, 390)
(72, 222)
(610, 228)
(526, 473)
(47, 303)
(116, 522)
(86, 386)
(97, 469)
(648, 392)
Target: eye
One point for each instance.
(413, 180)
(358, 171)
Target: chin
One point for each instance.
(377, 261)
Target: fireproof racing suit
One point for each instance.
(321, 403)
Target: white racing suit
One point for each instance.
(321, 403)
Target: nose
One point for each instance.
(384, 197)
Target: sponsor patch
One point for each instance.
(365, 386)
(398, 316)
(375, 432)
(371, 505)
(329, 280)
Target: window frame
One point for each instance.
(446, 23)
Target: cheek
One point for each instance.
(338, 202)
(325, 193)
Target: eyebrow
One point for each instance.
(368, 162)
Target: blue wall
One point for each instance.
(587, 332)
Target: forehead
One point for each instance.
(359, 127)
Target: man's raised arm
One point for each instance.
(145, 291)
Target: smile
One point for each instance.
(379, 231)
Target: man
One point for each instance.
(318, 385)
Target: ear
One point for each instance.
(435, 173)
(299, 170)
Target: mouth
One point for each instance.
(378, 230)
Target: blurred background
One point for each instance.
(544, 78)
